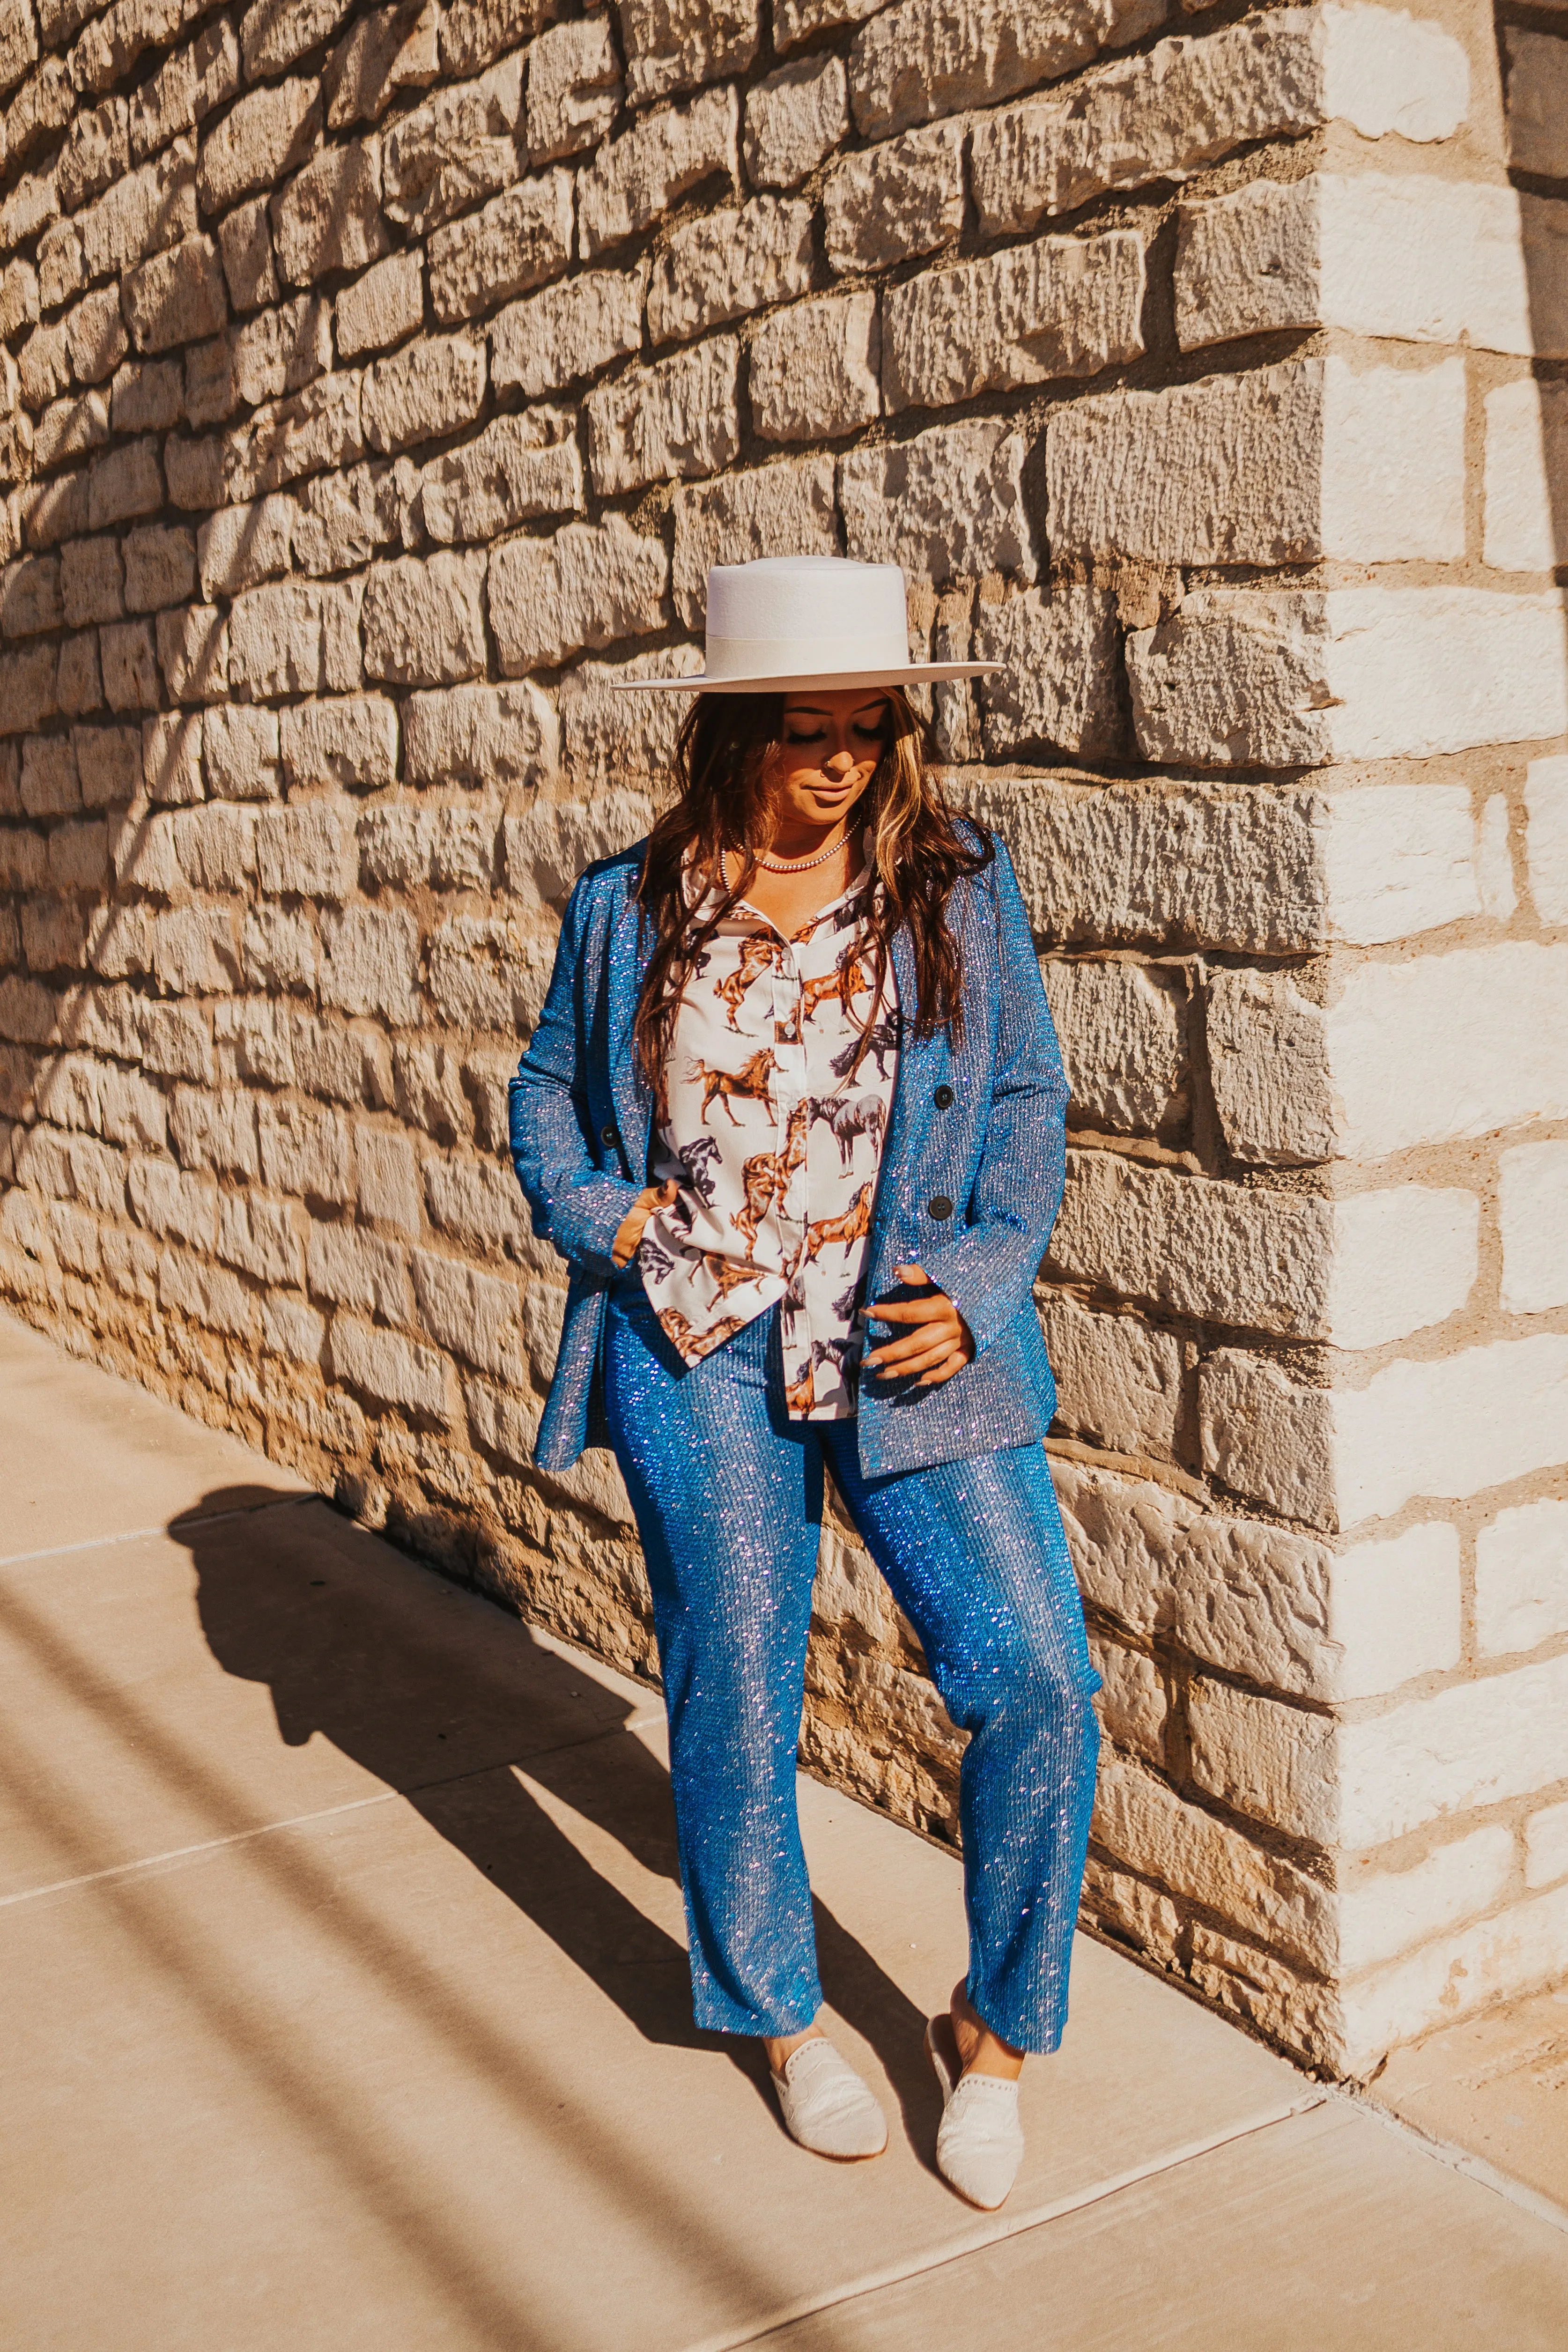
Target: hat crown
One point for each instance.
(780, 598)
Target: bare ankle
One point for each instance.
(782, 2047)
(980, 2052)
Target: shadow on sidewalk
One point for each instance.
(439, 1715)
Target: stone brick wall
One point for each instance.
(377, 384)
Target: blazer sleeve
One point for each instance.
(988, 1269)
(578, 1206)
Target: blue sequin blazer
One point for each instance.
(970, 1185)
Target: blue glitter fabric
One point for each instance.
(727, 1495)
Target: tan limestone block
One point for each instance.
(452, 152)
(185, 89)
(480, 736)
(92, 582)
(1194, 1247)
(550, 844)
(796, 20)
(310, 431)
(273, 33)
(216, 846)
(329, 216)
(95, 336)
(517, 241)
(1119, 1380)
(279, 351)
(240, 546)
(380, 308)
(518, 467)
(249, 265)
(1267, 1437)
(474, 33)
(1274, 1762)
(160, 567)
(794, 118)
(728, 264)
(1452, 1426)
(267, 134)
(675, 45)
(428, 390)
(571, 329)
(351, 742)
(172, 760)
(142, 213)
(589, 586)
(815, 369)
(240, 753)
(193, 654)
(947, 505)
(176, 297)
(1061, 307)
(424, 620)
(1268, 1067)
(926, 57)
(392, 50)
(71, 427)
(1123, 1032)
(573, 89)
(892, 202)
(666, 153)
(30, 596)
(667, 423)
(18, 45)
(43, 104)
(781, 509)
(96, 150)
(387, 1369)
(294, 637)
(607, 738)
(1060, 651)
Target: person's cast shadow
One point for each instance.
(356, 1643)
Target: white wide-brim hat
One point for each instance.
(789, 622)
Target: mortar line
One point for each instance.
(325, 1813)
(979, 2239)
(1463, 2160)
(167, 1526)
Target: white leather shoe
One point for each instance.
(826, 2106)
(980, 2143)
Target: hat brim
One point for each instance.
(835, 681)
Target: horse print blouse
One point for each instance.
(775, 1140)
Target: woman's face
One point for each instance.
(831, 745)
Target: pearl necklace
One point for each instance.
(804, 864)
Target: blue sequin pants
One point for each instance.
(728, 1496)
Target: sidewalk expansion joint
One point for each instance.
(994, 2232)
(169, 1528)
(151, 1861)
(1460, 2159)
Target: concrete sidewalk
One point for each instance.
(347, 2005)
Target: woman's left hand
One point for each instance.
(940, 1343)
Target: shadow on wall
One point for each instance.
(1527, 422)
(441, 1714)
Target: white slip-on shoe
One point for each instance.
(826, 2106)
(980, 2143)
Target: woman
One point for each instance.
(795, 1078)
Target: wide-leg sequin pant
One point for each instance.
(728, 1496)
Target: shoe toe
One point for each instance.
(980, 2145)
(828, 2107)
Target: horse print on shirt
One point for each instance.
(748, 1084)
(848, 1116)
(841, 1233)
(874, 1045)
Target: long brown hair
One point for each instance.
(917, 855)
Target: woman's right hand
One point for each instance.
(630, 1231)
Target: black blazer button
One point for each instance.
(944, 1098)
(939, 1208)
(607, 1135)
